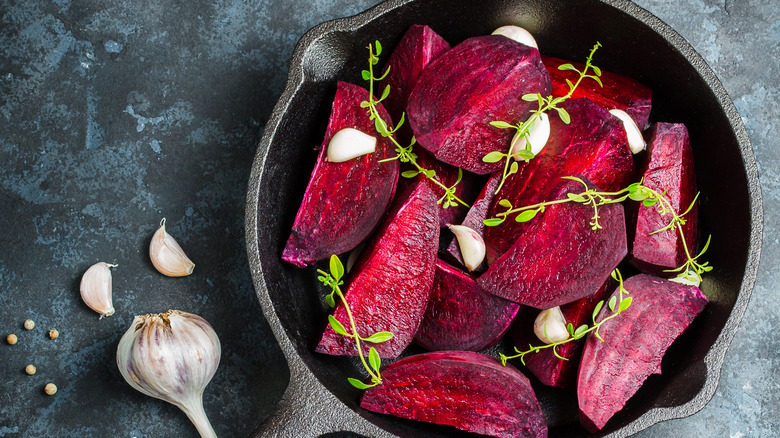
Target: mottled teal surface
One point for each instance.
(114, 115)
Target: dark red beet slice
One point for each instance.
(560, 258)
(417, 48)
(345, 201)
(476, 82)
(447, 175)
(470, 391)
(460, 316)
(670, 169)
(476, 214)
(619, 92)
(392, 281)
(593, 145)
(635, 342)
(549, 369)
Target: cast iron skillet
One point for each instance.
(319, 400)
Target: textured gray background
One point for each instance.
(114, 114)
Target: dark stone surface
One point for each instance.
(116, 114)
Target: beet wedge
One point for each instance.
(460, 316)
(474, 217)
(470, 391)
(479, 81)
(344, 201)
(619, 92)
(634, 344)
(418, 47)
(549, 369)
(560, 258)
(593, 145)
(392, 281)
(669, 169)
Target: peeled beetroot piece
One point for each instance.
(635, 342)
(470, 391)
(669, 169)
(560, 258)
(417, 48)
(392, 281)
(344, 201)
(476, 214)
(549, 369)
(619, 92)
(593, 145)
(460, 316)
(447, 175)
(476, 82)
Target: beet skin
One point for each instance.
(470, 391)
(593, 145)
(619, 92)
(549, 369)
(460, 315)
(479, 81)
(345, 201)
(560, 258)
(635, 342)
(669, 169)
(392, 281)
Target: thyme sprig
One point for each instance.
(544, 104)
(404, 154)
(333, 281)
(690, 271)
(616, 304)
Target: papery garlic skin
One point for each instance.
(171, 356)
(550, 326)
(350, 143)
(95, 288)
(518, 34)
(471, 244)
(538, 137)
(633, 134)
(167, 256)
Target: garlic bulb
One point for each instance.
(550, 326)
(171, 356)
(95, 289)
(538, 136)
(350, 143)
(635, 140)
(167, 256)
(471, 244)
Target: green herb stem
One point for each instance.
(578, 333)
(404, 154)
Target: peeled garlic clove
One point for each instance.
(518, 34)
(550, 326)
(691, 278)
(171, 356)
(635, 140)
(538, 136)
(95, 288)
(471, 244)
(350, 143)
(353, 256)
(167, 256)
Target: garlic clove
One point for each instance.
(95, 288)
(635, 140)
(354, 255)
(518, 34)
(471, 244)
(691, 278)
(171, 356)
(550, 326)
(167, 256)
(538, 137)
(350, 143)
